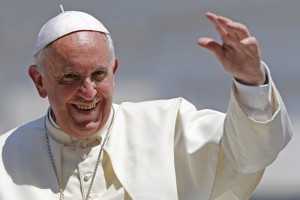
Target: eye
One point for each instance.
(99, 75)
(68, 78)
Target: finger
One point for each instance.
(235, 29)
(214, 19)
(251, 47)
(239, 29)
(212, 46)
(220, 24)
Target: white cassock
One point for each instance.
(157, 150)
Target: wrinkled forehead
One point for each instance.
(64, 24)
(79, 40)
(79, 50)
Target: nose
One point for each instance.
(88, 89)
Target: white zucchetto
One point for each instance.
(65, 23)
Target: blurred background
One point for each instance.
(159, 59)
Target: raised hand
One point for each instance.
(239, 54)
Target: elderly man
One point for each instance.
(86, 147)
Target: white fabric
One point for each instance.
(256, 101)
(257, 97)
(159, 150)
(76, 160)
(65, 23)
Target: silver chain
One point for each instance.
(62, 197)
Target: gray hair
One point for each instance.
(40, 56)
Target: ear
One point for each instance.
(116, 65)
(37, 79)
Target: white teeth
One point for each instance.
(86, 107)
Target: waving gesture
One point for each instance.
(239, 54)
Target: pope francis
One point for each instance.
(87, 147)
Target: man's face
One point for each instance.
(78, 79)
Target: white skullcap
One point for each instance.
(65, 23)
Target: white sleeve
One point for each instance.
(255, 101)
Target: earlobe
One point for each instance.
(37, 79)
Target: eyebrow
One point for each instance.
(76, 69)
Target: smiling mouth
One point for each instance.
(85, 107)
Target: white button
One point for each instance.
(87, 178)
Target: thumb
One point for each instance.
(212, 46)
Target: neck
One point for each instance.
(60, 136)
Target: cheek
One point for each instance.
(106, 89)
(59, 96)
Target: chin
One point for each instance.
(87, 130)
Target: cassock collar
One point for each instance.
(57, 134)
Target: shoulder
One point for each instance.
(22, 134)
(22, 152)
(178, 105)
(164, 104)
(177, 109)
